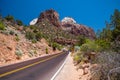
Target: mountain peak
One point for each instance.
(51, 15)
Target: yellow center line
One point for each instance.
(19, 69)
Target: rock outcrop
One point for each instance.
(70, 25)
(68, 20)
(65, 41)
(51, 15)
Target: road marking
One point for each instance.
(60, 68)
(19, 69)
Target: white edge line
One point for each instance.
(60, 68)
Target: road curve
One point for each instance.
(37, 69)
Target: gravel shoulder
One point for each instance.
(69, 71)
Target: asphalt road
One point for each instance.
(37, 69)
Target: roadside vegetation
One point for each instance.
(103, 51)
(25, 41)
(2, 26)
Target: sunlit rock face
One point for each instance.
(34, 21)
(70, 25)
(68, 20)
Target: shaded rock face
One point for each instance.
(65, 41)
(51, 15)
(78, 29)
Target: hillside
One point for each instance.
(14, 46)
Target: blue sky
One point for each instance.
(92, 13)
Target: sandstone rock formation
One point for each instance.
(68, 20)
(51, 15)
(77, 29)
(67, 24)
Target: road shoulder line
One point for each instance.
(58, 71)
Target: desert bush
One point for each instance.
(2, 26)
(115, 45)
(107, 61)
(19, 53)
(5, 32)
(114, 74)
(32, 53)
(78, 57)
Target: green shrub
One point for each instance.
(30, 35)
(38, 35)
(81, 40)
(34, 40)
(86, 50)
(9, 18)
(90, 46)
(72, 48)
(2, 26)
(19, 22)
(56, 46)
(78, 58)
(11, 32)
(32, 27)
(17, 38)
(105, 45)
(46, 50)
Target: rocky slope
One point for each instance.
(15, 47)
